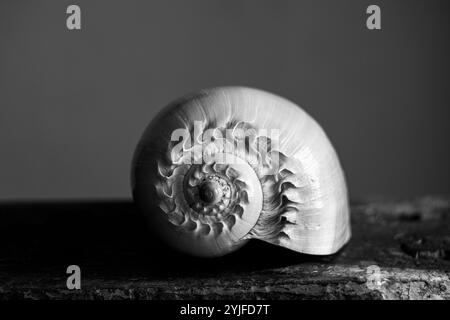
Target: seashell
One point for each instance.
(222, 166)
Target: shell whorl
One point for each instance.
(210, 174)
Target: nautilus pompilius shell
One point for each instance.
(222, 166)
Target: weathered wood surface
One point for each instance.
(399, 250)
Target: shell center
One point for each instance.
(210, 192)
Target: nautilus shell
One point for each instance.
(222, 166)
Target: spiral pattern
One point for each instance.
(181, 197)
(212, 196)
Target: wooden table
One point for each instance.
(399, 250)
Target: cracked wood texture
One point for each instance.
(399, 250)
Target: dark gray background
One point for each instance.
(74, 103)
